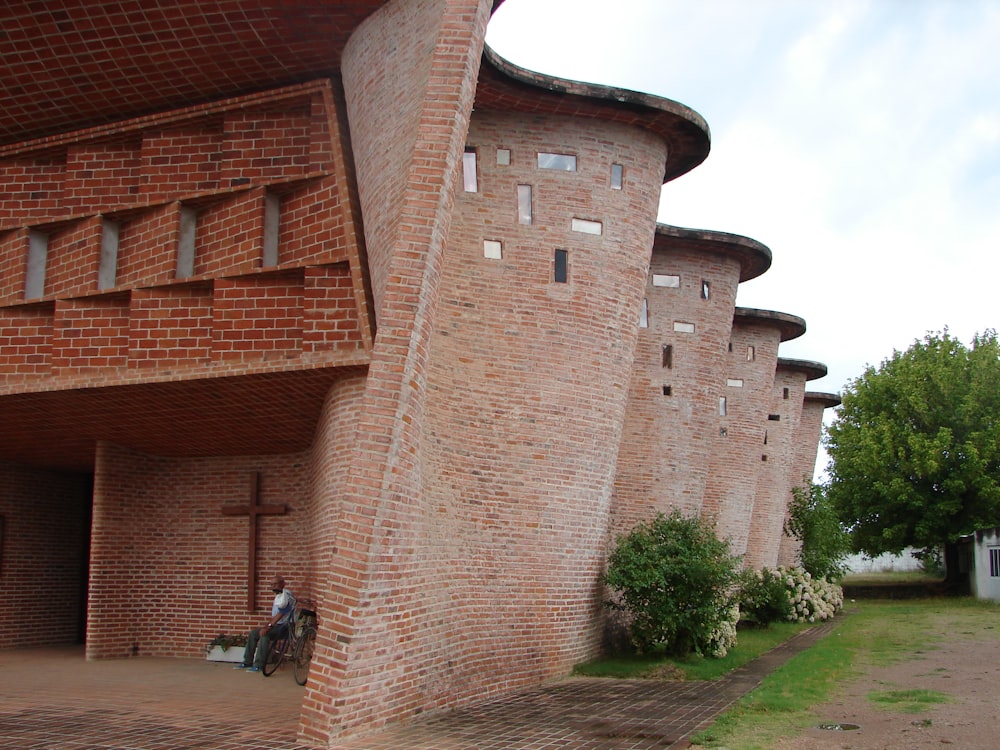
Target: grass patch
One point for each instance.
(750, 643)
(873, 633)
(907, 701)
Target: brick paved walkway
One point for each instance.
(53, 699)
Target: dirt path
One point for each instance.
(965, 668)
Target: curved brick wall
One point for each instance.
(806, 444)
(668, 439)
(774, 485)
(527, 390)
(735, 467)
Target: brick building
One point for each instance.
(334, 274)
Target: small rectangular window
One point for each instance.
(469, 178)
(705, 289)
(722, 406)
(561, 267)
(492, 249)
(734, 382)
(667, 356)
(784, 393)
(617, 175)
(644, 314)
(994, 562)
(774, 417)
(524, 204)
(503, 157)
(587, 227)
(723, 432)
(666, 390)
(562, 162)
(680, 327)
(669, 282)
(751, 354)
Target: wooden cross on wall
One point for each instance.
(253, 509)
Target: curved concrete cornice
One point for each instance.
(827, 399)
(505, 87)
(754, 258)
(812, 370)
(791, 326)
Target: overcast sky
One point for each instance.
(858, 139)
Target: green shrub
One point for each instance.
(813, 520)
(676, 581)
(763, 598)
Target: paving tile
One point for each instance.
(53, 699)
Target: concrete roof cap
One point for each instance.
(791, 326)
(754, 258)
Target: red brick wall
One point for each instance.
(409, 97)
(668, 440)
(42, 555)
(774, 485)
(736, 457)
(527, 391)
(221, 160)
(168, 570)
(806, 444)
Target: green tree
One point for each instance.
(813, 520)
(915, 450)
(676, 579)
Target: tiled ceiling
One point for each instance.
(250, 415)
(70, 64)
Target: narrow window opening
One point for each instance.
(524, 204)
(503, 157)
(469, 177)
(765, 437)
(722, 406)
(644, 314)
(730, 346)
(107, 269)
(706, 289)
(561, 267)
(994, 562)
(723, 431)
(774, 417)
(751, 354)
(561, 162)
(667, 356)
(784, 393)
(666, 390)
(186, 241)
(617, 176)
(492, 249)
(272, 218)
(38, 251)
(763, 457)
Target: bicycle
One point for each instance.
(297, 643)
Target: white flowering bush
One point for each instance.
(723, 637)
(812, 599)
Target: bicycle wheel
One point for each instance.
(275, 655)
(303, 655)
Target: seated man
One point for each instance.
(259, 639)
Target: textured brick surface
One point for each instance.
(453, 479)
